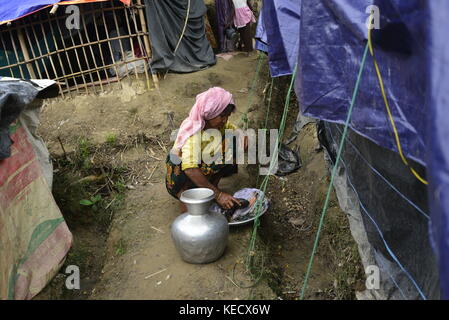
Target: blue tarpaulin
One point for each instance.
(12, 10)
(278, 21)
(413, 54)
(437, 135)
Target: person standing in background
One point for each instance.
(243, 17)
(225, 15)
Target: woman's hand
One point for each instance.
(226, 201)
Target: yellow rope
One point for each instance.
(387, 106)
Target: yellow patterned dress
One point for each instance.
(193, 156)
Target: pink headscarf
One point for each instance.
(208, 105)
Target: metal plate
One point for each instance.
(244, 222)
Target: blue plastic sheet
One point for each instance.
(413, 54)
(278, 23)
(437, 135)
(332, 43)
(10, 10)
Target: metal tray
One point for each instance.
(244, 222)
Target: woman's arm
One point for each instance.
(197, 177)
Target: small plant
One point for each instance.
(120, 186)
(111, 139)
(84, 148)
(84, 151)
(92, 202)
(120, 247)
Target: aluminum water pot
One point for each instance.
(200, 236)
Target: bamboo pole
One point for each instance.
(92, 51)
(32, 51)
(51, 60)
(146, 39)
(120, 42)
(109, 44)
(94, 69)
(6, 54)
(83, 48)
(130, 40)
(52, 31)
(143, 51)
(99, 48)
(78, 60)
(15, 53)
(25, 53)
(111, 80)
(40, 52)
(67, 54)
(69, 48)
(15, 27)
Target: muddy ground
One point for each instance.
(109, 149)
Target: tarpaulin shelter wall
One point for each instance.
(111, 42)
(10, 11)
(34, 238)
(178, 37)
(437, 134)
(331, 38)
(278, 21)
(388, 205)
(412, 51)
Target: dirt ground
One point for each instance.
(133, 257)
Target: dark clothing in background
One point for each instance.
(166, 19)
(246, 38)
(225, 16)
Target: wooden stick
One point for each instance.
(130, 41)
(15, 52)
(25, 53)
(99, 47)
(50, 19)
(85, 57)
(146, 39)
(92, 51)
(94, 69)
(153, 274)
(59, 57)
(111, 80)
(69, 48)
(154, 169)
(120, 42)
(109, 45)
(62, 146)
(40, 52)
(67, 55)
(48, 50)
(78, 60)
(142, 49)
(6, 53)
(31, 45)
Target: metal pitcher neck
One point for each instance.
(198, 209)
(198, 200)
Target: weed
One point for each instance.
(120, 247)
(111, 139)
(93, 202)
(120, 186)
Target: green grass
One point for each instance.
(120, 247)
(111, 139)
